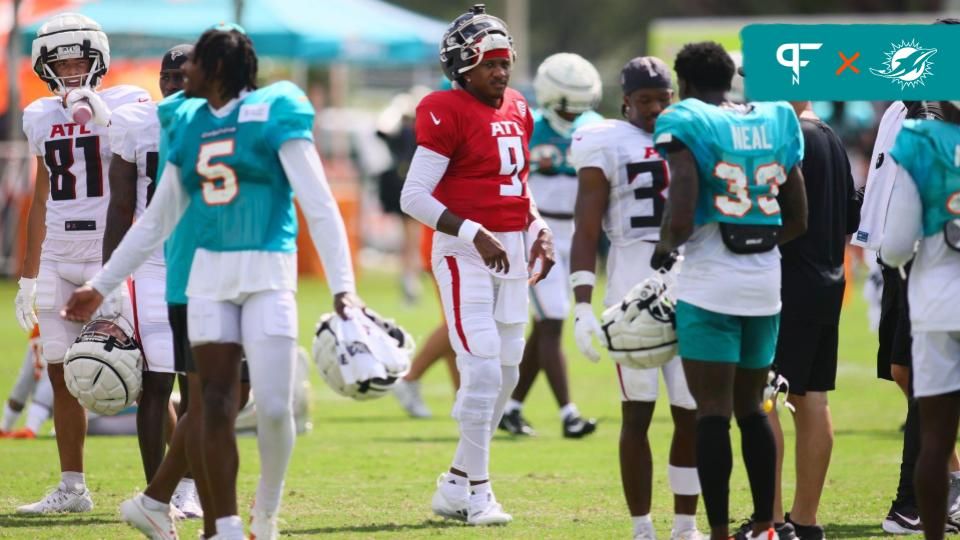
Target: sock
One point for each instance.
(759, 458)
(509, 375)
(10, 418)
(152, 504)
(481, 489)
(230, 527)
(512, 405)
(73, 480)
(714, 464)
(36, 416)
(569, 410)
(684, 522)
(641, 524)
(474, 447)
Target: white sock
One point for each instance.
(509, 375)
(641, 524)
(36, 416)
(568, 410)
(230, 527)
(73, 480)
(152, 504)
(481, 489)
(10, 418)
(512, 405)
(684, 522)
(271, 361)
(474, 448)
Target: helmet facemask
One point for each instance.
(60, 85)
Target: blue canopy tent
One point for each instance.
(367, 32)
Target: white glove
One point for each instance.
(585, 328)
(101, 113)
(26, 297)
(112, 305)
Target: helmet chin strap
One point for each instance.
(559, 124)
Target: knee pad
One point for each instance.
(511, 343)
(480, 380)
(54, 352)
(274, 410)
(683, 480)
(479, 332)
(157, 343)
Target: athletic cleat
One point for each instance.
(408, 394)
(60, 500)
(805, 532)
(689, 534)
(154, 524)
(769, 534)
(186, 501)
(485, 510)
(644, 536)
(905, 520)
(953, 499)
(263, 526)
(785, 531)
(450, 501)
(514, 423)
(575, 427)
(22, 433)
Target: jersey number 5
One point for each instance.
(219, 185)
(511, 163)
(58, 155)
(738, 202)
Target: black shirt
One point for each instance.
(813, 263)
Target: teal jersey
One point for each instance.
(179, 247)
(930, 151)
(742, 156)
(548, 146)
(240, 197)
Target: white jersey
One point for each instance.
(638, 178)
(77, 159)
(637, 175)
(135, 137)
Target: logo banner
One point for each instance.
(836, 62)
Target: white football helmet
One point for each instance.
(640, 331)
(362, 357)
(566, 82)
(67, 36)
(103, 368)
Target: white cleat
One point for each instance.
(154, 524)
(186, 501)
(450, 501)
(408, 394)
(485, 510)
(688, 534)
(263, 526)
(60, 500)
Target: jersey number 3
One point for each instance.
(738, 202)
(219, 185)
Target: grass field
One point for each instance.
(367, 471)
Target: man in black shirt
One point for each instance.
(812, 293)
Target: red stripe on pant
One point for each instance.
(623, 388)
(132, 288)
(455, 285)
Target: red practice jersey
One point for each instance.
(486, 179)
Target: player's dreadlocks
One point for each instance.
(228, 55)
(705, 65)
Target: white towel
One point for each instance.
(883, 170)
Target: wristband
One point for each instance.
(468, 230)
(582, 277)
(27, 283)
(533, 230)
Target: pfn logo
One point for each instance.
(794, 62)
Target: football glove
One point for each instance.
(111, 307)
(24, 302)
(585, 328)
(101, 113)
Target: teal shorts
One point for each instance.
(749, 342)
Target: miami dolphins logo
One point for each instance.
(907, 64)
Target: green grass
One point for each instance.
(367, 471)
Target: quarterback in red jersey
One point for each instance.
(468, 180)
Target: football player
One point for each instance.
(468, 181)
(622, 184)
(71, 55)
(568, 88)
(734, 180)
(237, 156)
(134, 138)
(924, 205)
(33, 383)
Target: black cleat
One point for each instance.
(903, 520)
(806, 532)
(576, 427)
(514, 424)
(784, 531)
